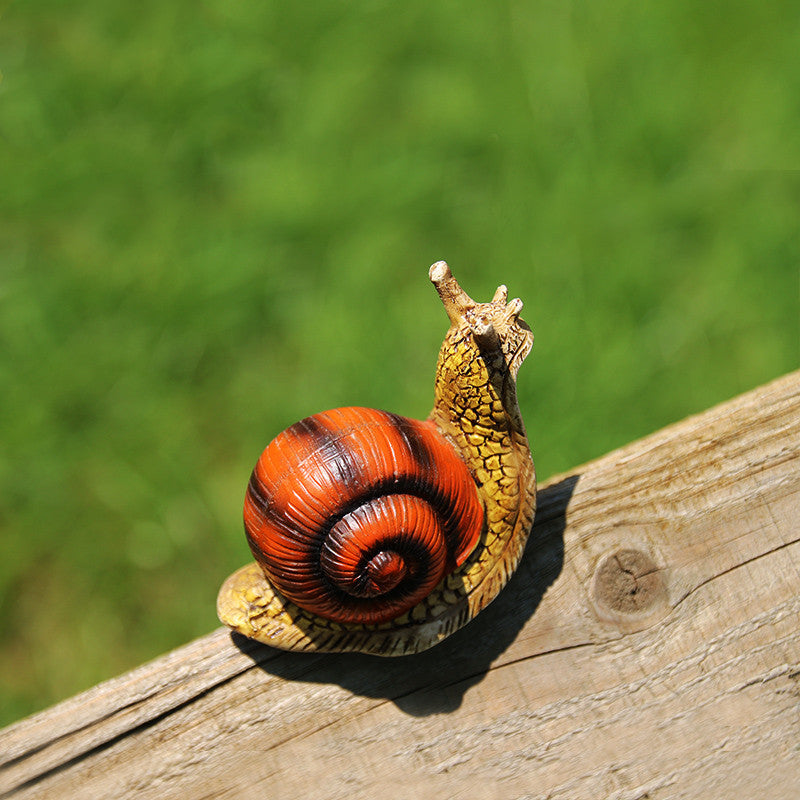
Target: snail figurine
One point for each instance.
(380, 534)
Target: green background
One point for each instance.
(217, 218)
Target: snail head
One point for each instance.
(496, 326)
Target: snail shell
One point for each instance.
(381, 534)
(356, 514)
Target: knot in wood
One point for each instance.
(629, 587)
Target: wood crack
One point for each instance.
(122, 735)
(734, 568)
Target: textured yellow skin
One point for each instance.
(476, 409)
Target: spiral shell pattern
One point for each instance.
(356, 514)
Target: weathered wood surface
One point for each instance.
(649, 646)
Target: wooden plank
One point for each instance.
(649, 646)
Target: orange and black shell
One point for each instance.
(356, 514)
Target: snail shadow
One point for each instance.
(435, 681)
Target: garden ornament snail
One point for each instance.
(381, 534)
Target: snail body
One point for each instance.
(377, 533)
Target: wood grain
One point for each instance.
(648, 647)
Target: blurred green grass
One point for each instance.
(216, 219)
